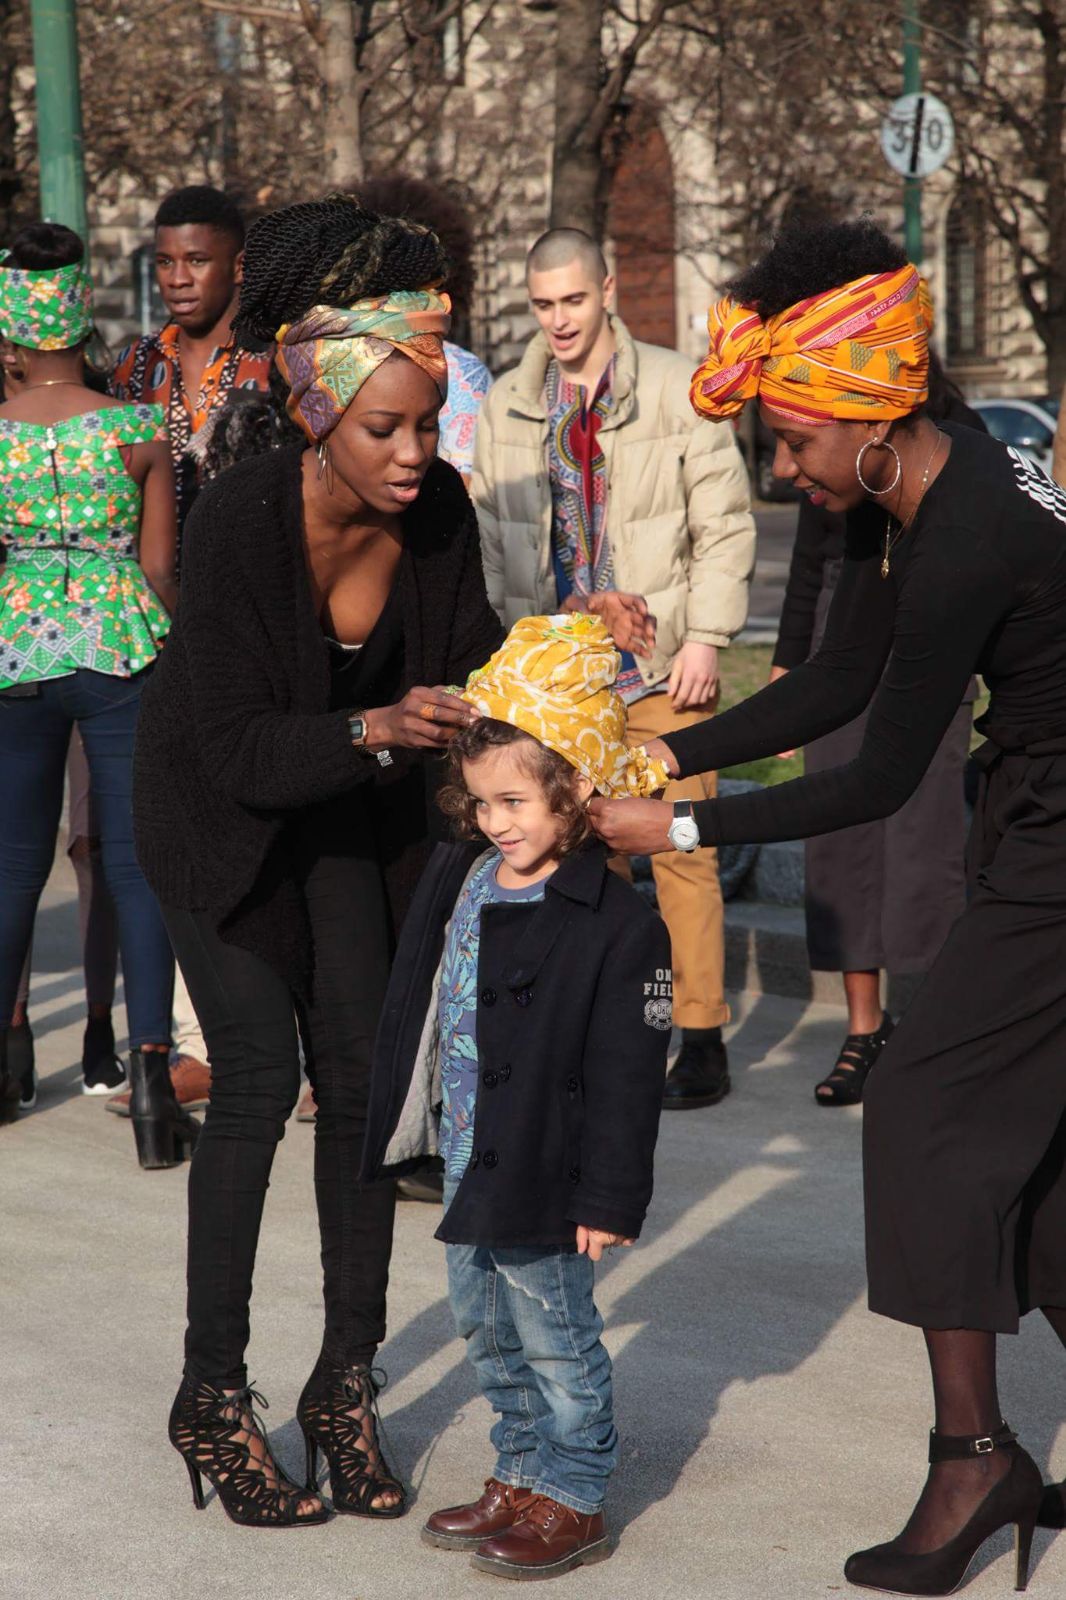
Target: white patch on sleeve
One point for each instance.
(658, 1013)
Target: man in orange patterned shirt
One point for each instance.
(194, 362)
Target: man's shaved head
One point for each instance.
(560, 246)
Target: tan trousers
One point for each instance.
(690, 896)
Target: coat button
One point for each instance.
(488, 997)
(505, 1073)
(524, 997)
(575, 1172)
(573, 1085)
(475, 1160)
(490, 1079)
(490, 1158)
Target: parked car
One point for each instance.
(1029, 425)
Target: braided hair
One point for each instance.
(329, 252)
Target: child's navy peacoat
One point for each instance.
(573, 1024)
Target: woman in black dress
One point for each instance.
(955, 563)
(281, 806)
(879, 897)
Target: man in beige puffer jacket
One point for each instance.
(592, 474)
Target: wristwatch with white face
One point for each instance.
(683, 832)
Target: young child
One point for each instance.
(530, 1007)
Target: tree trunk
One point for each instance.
(579, 178)
(10, 183)
(340, 93)
(1054, 46)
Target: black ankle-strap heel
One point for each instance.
(211, 1430)
(338, 1415)
(1014, 1499)
(858, 1054)
(162, 1130)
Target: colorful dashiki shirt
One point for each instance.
(469, 381)
(457, 1011)
(581, 551)
(149, 371)
(72, 593)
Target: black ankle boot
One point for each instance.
(700, 1075)
(1014, 1499)
(20, 1062)
(10, 1088)
(160, 1127)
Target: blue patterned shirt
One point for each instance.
(469, 381)
(457, 1011)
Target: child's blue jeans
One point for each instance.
(532, 1335)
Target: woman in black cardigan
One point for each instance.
(280, 796)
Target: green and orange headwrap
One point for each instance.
(329, 353)
(46, 309)
(858, 353)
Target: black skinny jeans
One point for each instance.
(248, 1015)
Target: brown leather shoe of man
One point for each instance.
(465, 1527)
(192, 1086)
(545, 1541)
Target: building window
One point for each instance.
(967, 281)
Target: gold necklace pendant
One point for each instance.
(889, 541)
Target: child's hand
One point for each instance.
(593, 1242)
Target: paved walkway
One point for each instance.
(770, 1424)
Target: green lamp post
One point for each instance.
(60, 146)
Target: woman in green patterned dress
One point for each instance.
(87, 521)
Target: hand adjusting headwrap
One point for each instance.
(330, 352)
(859, 353)
(46, 309)
(553, 677)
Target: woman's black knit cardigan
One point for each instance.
(235, 734)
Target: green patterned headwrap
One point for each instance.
(50, 309)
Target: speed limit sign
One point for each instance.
(918, 135)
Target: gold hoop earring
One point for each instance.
(881, 444)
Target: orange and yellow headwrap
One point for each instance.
(859, 353)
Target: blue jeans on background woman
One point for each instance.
(36, 720)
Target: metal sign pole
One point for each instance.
(59, 137)
(912, 84)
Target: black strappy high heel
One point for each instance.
(339, 1415)
(211, 1430)
(858, 1054)
(1014, 1499)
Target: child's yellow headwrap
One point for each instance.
(553, 677)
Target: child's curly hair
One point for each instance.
(555, 776)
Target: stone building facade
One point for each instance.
(667, 241)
